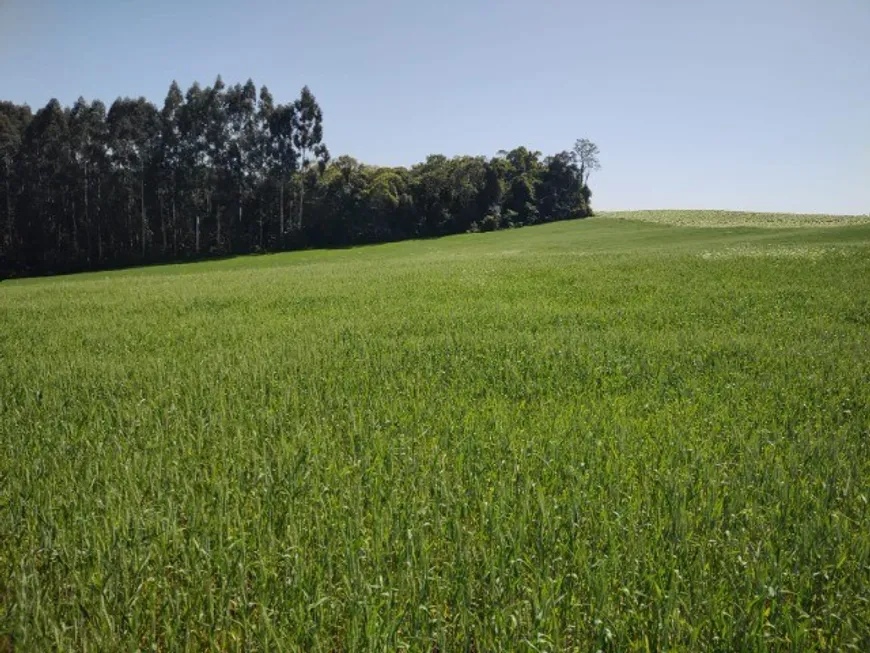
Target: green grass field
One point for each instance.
(605, 434)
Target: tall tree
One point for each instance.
(217, 148)
(560, 193)
(266, 160)
(308, 140)
(283, 156)
(88, 140)
(134, 128)
(169, 163)
(585, 155)
(46, 160)
(194, 159)
(241, 147)
(13, 122)
(524, 172)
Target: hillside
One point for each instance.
(596, 434)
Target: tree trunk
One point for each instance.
(281, 210)
(301, 201)
(174, 217)
(162, 221)
(10, 220)
(218, 218)
(75, 229)
(43, 236)
(194, 224)
(87, 211)
(130, 221)
(174, 224)
(58, 229)
(99, 218)
(208, 215)
(239, 226)
(142, 206)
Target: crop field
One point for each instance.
(606, 434)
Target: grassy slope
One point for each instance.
(589, 434)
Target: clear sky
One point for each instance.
(740, 104)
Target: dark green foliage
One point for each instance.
(561, 192)
(43, 210)
(224, 170)
(13, 122)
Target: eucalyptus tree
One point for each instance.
(264, 161)
(88, 132)
(241, 150)
(283, 159)
(134, 130)
(308, 141)
(13, 123)
(585, 156)
(45, 157)
(170, 164)
(217, 148)
(194, 160)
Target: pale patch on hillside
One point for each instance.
(804, 252)
(688, 218)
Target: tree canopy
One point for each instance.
(225, 170)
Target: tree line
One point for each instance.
(225, 170)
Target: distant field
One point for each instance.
(602, 434)
(739, 218)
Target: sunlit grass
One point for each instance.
(581, 436)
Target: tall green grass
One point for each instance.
(595, 435)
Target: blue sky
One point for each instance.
(741, 104)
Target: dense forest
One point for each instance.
(225, 170)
